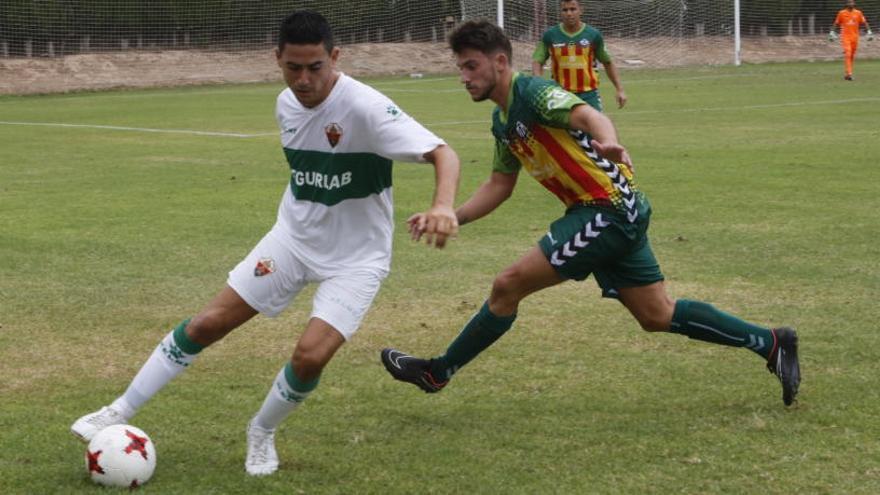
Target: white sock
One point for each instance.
(166, 362)
(280, 401)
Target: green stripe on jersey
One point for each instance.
(329, 178)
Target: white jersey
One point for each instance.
(337, 212)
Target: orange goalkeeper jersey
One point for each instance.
(849, 22)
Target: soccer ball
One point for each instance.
(121, 455)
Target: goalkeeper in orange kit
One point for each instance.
(850, 20)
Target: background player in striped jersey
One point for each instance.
(541, 128)
(850, 19)
(334, 228)
(573, 48)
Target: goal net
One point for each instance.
(54, 45)
(663, 33)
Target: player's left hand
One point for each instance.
(437, 225)
(614, 152)
(870, 36)
(621, 99)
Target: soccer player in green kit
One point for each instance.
(541, 128)
(573, 48)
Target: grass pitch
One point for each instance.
(764, 181)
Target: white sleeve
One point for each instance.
(279, 103)
(398, 136)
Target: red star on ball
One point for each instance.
(137, 444)
(93, 462)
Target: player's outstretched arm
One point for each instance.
(487, 197)
(539, 57)
(587, 119)
(614, 77)
(439, 223)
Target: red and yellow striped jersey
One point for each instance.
(573, 56)
(535, 135)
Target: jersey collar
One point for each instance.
(502, 115)
(572, 35)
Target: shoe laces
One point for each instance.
(107, 416)
(260, 441)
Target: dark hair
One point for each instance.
(305, 27)
(480, 35)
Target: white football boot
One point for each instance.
(261, 456)
(89, 425)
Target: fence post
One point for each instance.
(811, 22)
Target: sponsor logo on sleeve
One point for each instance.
(265, 266)
(393, 111)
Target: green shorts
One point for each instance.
(592, 98)
(601, 241)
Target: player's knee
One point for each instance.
(657, 319)
(206, 328)
(653, 324)
(308, 361)
(506, 288)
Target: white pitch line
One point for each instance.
(407, 90)
(142, 129)
(616, 114)
(460, 122)
(624, 113)
(419, 80)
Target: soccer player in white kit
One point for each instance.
(334, 228)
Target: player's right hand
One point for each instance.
(614, 152)
(832, 36)
(437, 225)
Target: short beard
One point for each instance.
(482, 97)
(485, 94)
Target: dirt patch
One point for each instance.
(137, 69)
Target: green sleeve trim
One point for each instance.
(541, 53)
(553, 104)
(599, 48)
(602, 55)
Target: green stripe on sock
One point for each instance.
(183, 341)
(295, 383)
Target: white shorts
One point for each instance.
(271, 276)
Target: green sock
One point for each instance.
(296, 384)
(702, 321)
(479, 333)
(182, 340)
